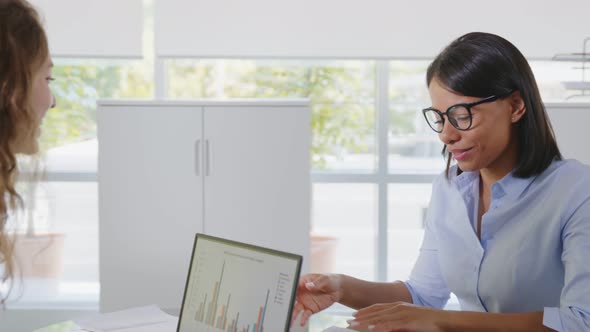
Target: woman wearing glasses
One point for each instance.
(508, 226)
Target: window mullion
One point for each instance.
(382, 129)
(160, 79)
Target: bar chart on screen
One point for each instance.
(232, 289)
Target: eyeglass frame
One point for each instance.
(467, 106)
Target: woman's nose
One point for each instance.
(449, 134)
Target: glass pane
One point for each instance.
(58, 249)
(342, 95)
(413, 146)
(551, 75)
(78, 85)
(343, 229)
(407, 205)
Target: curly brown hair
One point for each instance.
(23, 49)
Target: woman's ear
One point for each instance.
(518, 107)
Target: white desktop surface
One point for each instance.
(318, 323)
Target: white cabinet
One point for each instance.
(167, 170)
(570, 124)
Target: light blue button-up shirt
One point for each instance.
(534, 253)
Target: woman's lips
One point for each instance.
(460, 154)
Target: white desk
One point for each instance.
(318, 323)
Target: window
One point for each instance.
(344, 228)
(413, 148)
(342, 95)
(408, 203)
(550, 76)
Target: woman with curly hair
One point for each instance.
(25, 97)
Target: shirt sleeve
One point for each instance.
(573, 315)
(426, 283)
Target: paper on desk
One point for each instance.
(337, 329)
(127, 320)
(341, 329)
(160, 327)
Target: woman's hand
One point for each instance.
(315, 293)
(398, 316)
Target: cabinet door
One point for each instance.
(257, 183)
(150, 201)
(570, 127)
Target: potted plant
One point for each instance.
(322, 253)
(38, 250)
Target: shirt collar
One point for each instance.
(463, 182)
(511, 185)
(508, 185)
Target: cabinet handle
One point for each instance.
(198, 157)
(207, 158)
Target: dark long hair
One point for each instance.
(482, 64)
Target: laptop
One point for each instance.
(238, 287)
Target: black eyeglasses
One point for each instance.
(459, 115)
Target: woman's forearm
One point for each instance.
(458, 321)
(356, 293)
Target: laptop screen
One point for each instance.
(233, 286)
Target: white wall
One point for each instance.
(308, 28)
(362, 28)
(93, 28)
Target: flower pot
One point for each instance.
(39, 256)
(323, 254)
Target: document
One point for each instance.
(148, 319)
(161, 327)
(337, 329)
